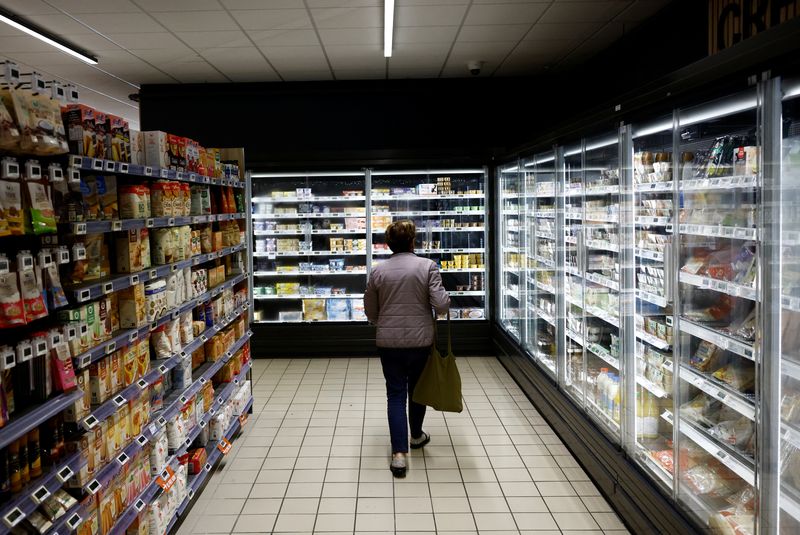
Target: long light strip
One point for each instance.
(49, 41)
(388, 27)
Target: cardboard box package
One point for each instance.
(80, 127)
(132, 307)
(176, 146)
(156, 149)
(100, 381)
(137, 150)
(102, 150)
(115, 139)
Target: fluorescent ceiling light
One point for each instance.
(388, 27)
(4, 17)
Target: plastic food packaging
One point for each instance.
(163, 250)
(43, 216)
(32, 295)
(12, 309)
(11, 204)
(9, 133)
(134, 201)
(155, 294)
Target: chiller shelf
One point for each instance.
(720, 392)
(724, 183)
(314, 232)
(280, 254)
(298, 215)
(307, 273)
(657, 187)
(720, 231)
(729, 288)
(320, 198)
(724, 341)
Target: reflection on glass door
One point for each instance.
(540, 258)
(653, 281)
(510, 285)
(790, 314)
(719, 250)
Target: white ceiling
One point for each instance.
(181, 41)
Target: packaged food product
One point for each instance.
(131, 250)
(177, 152)
(161, 200)
(314, 309)
(136, 147)
(163, 250)
(156, 149)
(186, 199)
(11, 203)
(9, 133)
(740, 377)
(162, 348)
(79, 124)
(100, 381)
(155, 299)
(32, 295)
(132, 307)
(39, 120)
(134, 201)
(12, 309)
(107, 193)
(115, 139)
(201, 200)
(706, 356)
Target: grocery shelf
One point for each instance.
(790, 434)
(511, 249)
(724, 183)
(652, 340)
(20, 424)
(541, 314)
(96, 289)
(603, 315)
(574, 216)
(729, 288)
(423, 197)
(601, 415)
(655, 467)
(545, 215)
(545, 235)
(650, 255)
(545, 287)
(26, 501)
(789, 503)
(729, 343)
(612, 189)
(603, 218)
(790, 303)
(653, 221)
(512, 294)
(463, 270)
(790, 366)
(720, 231)
(719, 391)
(313, 198)
(546, 261)
(267, 322)
(656, 187)
(468, 250)
(603, 353)
(575, 337)
(330, 215)
(279, 254)
(652, 298)
(422, 230)
(602, 245)
(466, 293)
(601, 280)
(308, 273)
(314, 232)
(268, 297)
(117, 225)
(741, 467)
(429, 213)
(651, 387)
(85, 163)
(127, 336)
(105, 410)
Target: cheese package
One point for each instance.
(314, 309)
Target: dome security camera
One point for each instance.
(474, 67)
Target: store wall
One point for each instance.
(467, 120)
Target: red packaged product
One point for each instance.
(12, 310)
(197, 460)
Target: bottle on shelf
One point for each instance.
(34, 453)
(616, 414)
(613, 397)
(600, 387)
(651, 414)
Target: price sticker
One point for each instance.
(224, 446)
(148, 171)
(120, 400)
(122, 459)
(139, 505)
(162, 369)
(165, 173)
(149, 222)
(180, 175)
(141, 440)
(97, 164)
(90, 421)
(167, 479)
(84, 295)
(79, 228)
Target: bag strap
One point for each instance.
(449, 339)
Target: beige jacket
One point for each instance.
(400, 294)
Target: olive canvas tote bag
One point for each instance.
(439, 386)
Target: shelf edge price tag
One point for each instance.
(224, 446)
(65, 474)
(40, 495)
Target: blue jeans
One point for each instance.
(401, 369)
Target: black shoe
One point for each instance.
(417, 443)
(398, 466)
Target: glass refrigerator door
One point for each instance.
(448, 209)
(718, 309)
(653, 281)
(310, 258)
(790, 312)
(511, 283)
(540, 258)
(599, 268)
(575, 380)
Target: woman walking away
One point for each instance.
(400, 295)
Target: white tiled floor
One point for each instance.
(314, 459)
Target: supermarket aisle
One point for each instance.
(314, 459)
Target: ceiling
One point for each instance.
(181, 41)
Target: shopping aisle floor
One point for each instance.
(314, 459)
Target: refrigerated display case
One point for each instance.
(310, 247)
(510, 285)
(541, 258)
(314, 243)
(680, 248)
(449, 210)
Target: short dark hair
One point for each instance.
(400, 236)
